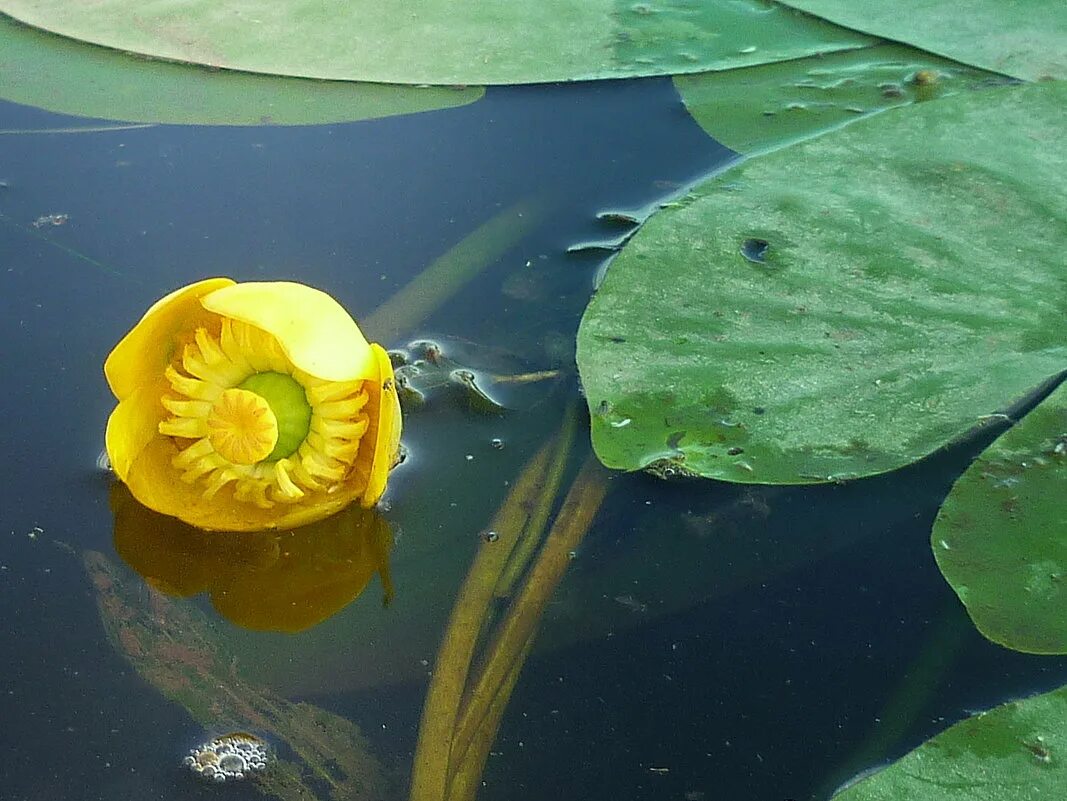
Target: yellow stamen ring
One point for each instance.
(234, 394)
(241, 427)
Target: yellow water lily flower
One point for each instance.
(251, 406)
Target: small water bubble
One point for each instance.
(491, 536)
(230, 757)
(497, 443)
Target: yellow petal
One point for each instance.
(146, 350)
(385, 430)
(151, 480)
(313, 329)
(132, 424)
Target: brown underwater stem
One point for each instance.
(510, 642)
(449, 273)
(429, 780)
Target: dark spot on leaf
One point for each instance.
(758, 410)
(675, 439)
(755, 250)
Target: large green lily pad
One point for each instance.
(844, 307)
(1023, 38)
(1001, 536)
(445, 42)
(1014, 752)
(757, 109)
(59, 74)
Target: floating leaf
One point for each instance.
(444, 42)
(1001, 536)
(1025, 38)
(1014, 752)
(61, 75)
(765, 107)
(842, 308)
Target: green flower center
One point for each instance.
(288, 401)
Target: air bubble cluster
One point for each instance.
(231, 757)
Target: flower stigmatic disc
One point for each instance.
(230, 757)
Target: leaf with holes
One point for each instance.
(844, 307)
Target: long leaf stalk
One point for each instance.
(429, 780)
(449, 273)
(471, 685)
(507, 647)
(520, 557)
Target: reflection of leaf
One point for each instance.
(1001, 536)
(267, 581)
(61, 75)
(766, 107)
(844, 307)
(444, 42)
(174, 648)
(1014, 752)
(1024, 38)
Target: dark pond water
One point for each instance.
(707, 642)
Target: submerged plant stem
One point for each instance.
(535, 526)
(509, 643)
(467, 773)
(450, 272)
(429, 779)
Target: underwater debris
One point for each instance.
(177, 649)
(51, 219)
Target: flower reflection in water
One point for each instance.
(287, 581)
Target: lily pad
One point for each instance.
(762, 108)
(1024, 38)
(1001, 536)
(842, 308)
(1014, 752)
(59, 74)
(444, 42)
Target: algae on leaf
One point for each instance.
(842, 308)
(69, 77)
(762, 108)
(1014, 752)
(1023, 38)
(1001, 536)
(445, 42)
